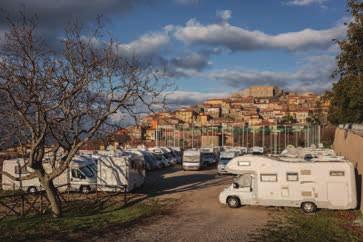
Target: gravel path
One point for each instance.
(198, 215)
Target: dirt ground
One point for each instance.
(197, 216)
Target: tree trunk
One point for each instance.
(52, 194)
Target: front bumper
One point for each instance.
(191, 166)
(223, 197)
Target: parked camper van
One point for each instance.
(209, 155)
(310, 185)
(256, 150)
(224, 158)
(80, 176)
(120, 171)
(192, 159)
(159, 155)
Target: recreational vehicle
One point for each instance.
(209, 156)
(80, 176)
(120, 171)
(256, 150)
(159, 155)
(192, 160)
(224, 158)
(310, 185)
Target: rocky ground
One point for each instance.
(197, 214)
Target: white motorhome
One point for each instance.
(256, 150)
(159, 155)
(192, 159)
(209, 155)
(118, 171)
(80, 176)
(310, 185)
(224, 158)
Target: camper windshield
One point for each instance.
(208, 156)
(93, 167)
(224, 160)
(191, 158)
(87, 171)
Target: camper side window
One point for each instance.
(292, 176)
(336, 173)
(23, 170)
(268, 177)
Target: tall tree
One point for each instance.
(347, 94)
(58, 99)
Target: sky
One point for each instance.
(210, 48)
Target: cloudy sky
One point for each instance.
(209, 48)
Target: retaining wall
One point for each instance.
(349, 143)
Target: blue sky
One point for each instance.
(210, 48)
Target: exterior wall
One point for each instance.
(260, 91)
(208, 141)
(350, 145)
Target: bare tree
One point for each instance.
(61, 98)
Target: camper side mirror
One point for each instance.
(235, 185)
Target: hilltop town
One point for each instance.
(254, 108)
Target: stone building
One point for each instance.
(261, 91)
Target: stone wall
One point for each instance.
(349, 144)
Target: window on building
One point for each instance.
(336, 173)
(268, 177)
(292, 176)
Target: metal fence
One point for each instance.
(273, 138)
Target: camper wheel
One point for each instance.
(308, 207)
(85, 189)
(32, 189)
(233, 202)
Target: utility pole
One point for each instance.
(243, 135)
(263, 137)
(285, 136)
(222, 136)
(253, 137)
(192, 134)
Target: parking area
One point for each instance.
(197, 214)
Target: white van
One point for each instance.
(271, 181)
(209, 155)
(224, 158)
(80, 176)
(119, 171)
(256, 150)
(192, 159)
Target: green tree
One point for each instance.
(347, 94)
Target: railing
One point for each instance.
(20, 203)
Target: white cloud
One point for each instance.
(187, 98)
(187, 2)
(305, 2)
(146, 46)
(241, 39)
(313, 75)
(224, 15)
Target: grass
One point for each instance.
(294, 225)
(76, 223)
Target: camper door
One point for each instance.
(245, 186)
(77, 178)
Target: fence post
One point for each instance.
(125, 195)
(22, 204)
(41, 202)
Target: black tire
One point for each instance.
(308, 207)
(85, 189)
(233, 202)
(32, 189)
